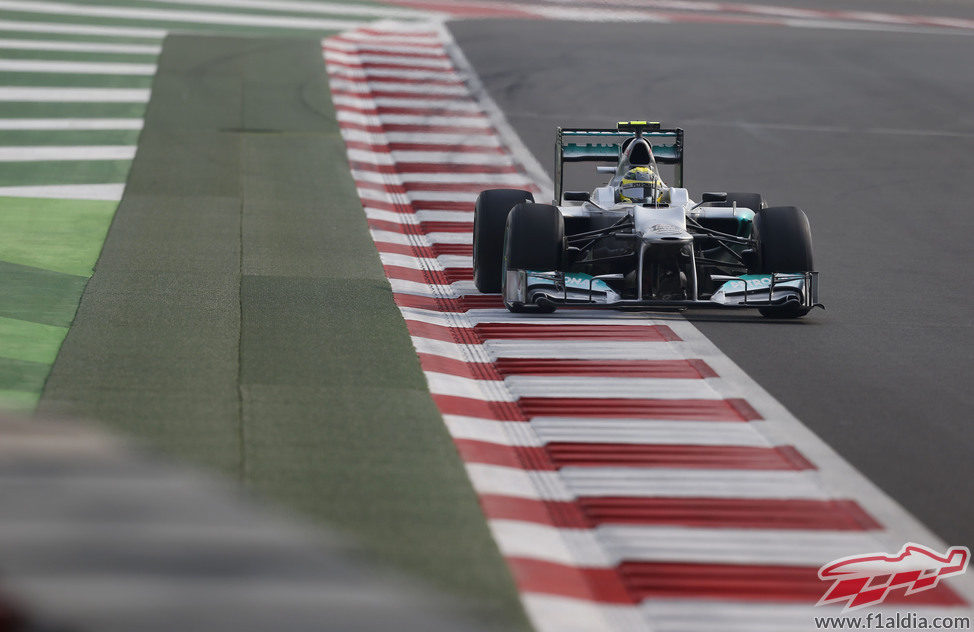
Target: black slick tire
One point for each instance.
(785, 246)
(534, 239)
(489, 222)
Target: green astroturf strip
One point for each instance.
(14, 109)
(74, 56)
(18, 401)
(21, 375)
(38, 295)
(71, 80)
(59, 235)
(63, 172)
(69, 137)
(239, 317)
(30, 342)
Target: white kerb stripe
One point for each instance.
(609, 387)
(80, 47)
(689, 483)
(507, 433)
(58, 124)
(584, 349)
(649, 431)
(396, 73)
(413, 119)
(779, 547)
(76, 67)
(365, 88)
(391, 58)
(573, 547)
(509, 481)
(405, 102)
(74, 95)
(36, 153)
(554, 613)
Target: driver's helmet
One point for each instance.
(640, 185)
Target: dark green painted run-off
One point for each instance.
(239, 317)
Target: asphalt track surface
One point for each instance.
(239, 317)
(870, 132)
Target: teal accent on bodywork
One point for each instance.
(591, 151)
(745, 222)
(610, 151)
(573, 280)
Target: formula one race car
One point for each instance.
(637, 243)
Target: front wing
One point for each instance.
(525, 287)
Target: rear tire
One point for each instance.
(785, 246)
(489, 221)
(534, 240)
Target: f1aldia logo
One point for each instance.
(866, 580)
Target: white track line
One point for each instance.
(64, 124)
(80, 47)
(42, 152)
(192, 17)
(76, 67)
(297, 6)
(107, 192)
(74, 95)
(81, 29)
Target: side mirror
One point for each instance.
(576, 196)
(713, 196)
(604, 169)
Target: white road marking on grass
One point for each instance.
(64, 124)
(107, 192)
(80, 47)
(81, 29)
(193, 17)
(296, 6)
(74, 95)
(80, 152)
(76, 67)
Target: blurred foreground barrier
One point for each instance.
(97, 535)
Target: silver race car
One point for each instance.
(638, 243)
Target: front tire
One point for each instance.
(785, 246)
(489, 222)
(534, 239)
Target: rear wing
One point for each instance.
(610, 145)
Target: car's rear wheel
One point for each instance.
(489, 221)
(785, 246)
(534, 240)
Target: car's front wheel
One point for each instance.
(534, 239)
(785, 238)
(489, 220)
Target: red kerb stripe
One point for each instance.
(680, 409)
(593, 584)
(646, 580)
(744, 513)
(675, 456)
(680, 369)
(462, 304)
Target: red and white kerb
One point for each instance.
(631, 475)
